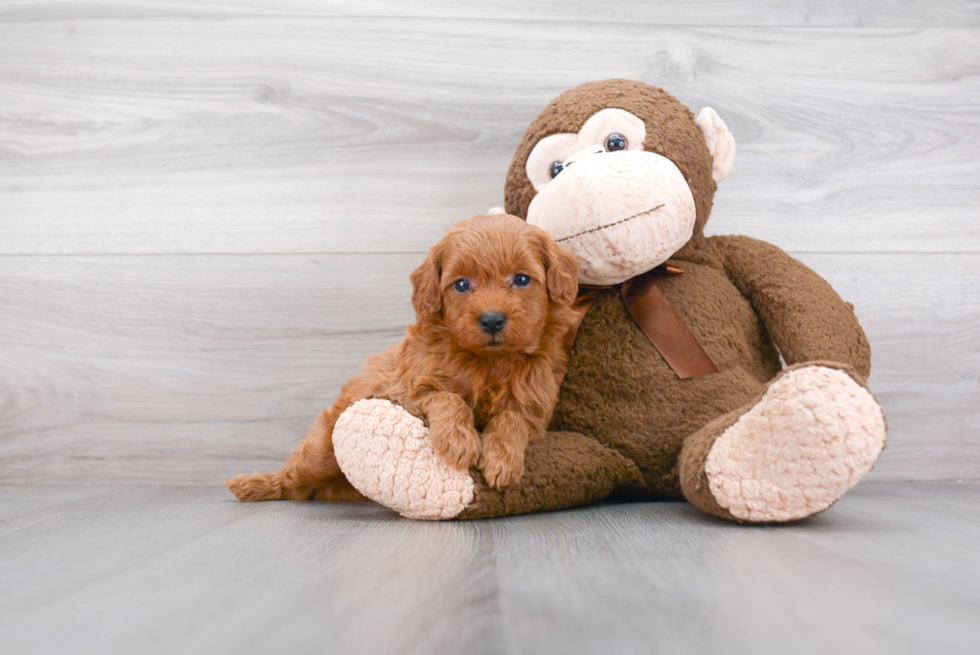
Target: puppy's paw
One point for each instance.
(456, 443)
(254, 487)
(502, 462)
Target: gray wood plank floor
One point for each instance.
(893, 568)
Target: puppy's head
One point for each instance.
(495, 282)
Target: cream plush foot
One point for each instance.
(811, 437)
(386, 453)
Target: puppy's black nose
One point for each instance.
(492, 322)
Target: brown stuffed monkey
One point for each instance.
(675, 387)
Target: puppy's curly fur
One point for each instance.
(463, 377)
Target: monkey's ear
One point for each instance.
(721, 143)
(561, 270)
(426, 289)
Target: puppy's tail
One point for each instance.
(258, 486)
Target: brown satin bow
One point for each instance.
(656, 317)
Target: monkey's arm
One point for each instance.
(802, 313)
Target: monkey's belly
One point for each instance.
(620, 391)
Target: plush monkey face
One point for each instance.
(621, 174)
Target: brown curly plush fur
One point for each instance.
(460, 376)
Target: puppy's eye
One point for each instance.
(521, 280)
(462, 286)
(616, 141)
(556, 168)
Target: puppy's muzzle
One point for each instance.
(492, 322)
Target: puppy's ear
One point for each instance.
(426, 279)
(561, 269)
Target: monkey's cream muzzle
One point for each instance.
(620, 213)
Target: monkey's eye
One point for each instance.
(462, 286)
(556, 168)
(616, 141)
(521, 280)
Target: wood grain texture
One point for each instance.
(208, 210)
(361, 134)
(891, 569)
(857, 13)
(189, 369)
(922, 316)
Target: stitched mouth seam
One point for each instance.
(603, 227)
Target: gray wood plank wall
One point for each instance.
(208, 211)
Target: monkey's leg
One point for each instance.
(791, 453)
(385, 451)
